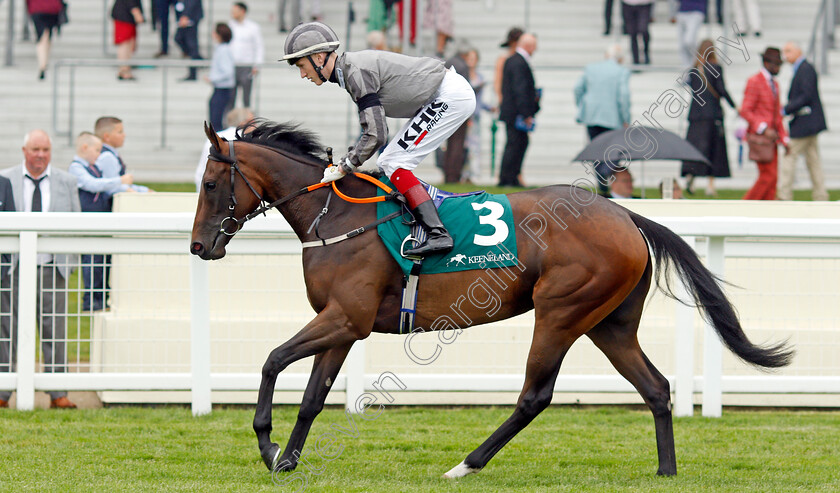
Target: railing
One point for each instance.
(165, 65)
(822, 34)
(167, 234)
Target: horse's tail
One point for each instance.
(669, 250)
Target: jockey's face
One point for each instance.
(307, 71)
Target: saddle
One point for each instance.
(481, 226)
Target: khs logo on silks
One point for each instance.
(422, 125)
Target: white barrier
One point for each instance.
(168, 234)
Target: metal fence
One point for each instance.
(179, 323)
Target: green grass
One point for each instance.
(651, 193)
(408, 449)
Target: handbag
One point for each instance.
(762, 147)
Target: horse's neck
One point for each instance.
(342, 216)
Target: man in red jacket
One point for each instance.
(762, 110)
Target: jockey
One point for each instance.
(436, 101)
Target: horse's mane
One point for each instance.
(283, 136)
(287, 137)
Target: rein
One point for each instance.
(238, 223)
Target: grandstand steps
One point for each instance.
(569, 37)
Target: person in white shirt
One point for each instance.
(248, 52)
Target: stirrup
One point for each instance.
(407, 239)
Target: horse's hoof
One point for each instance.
(271, 455)
(460, 471)
(668, 472)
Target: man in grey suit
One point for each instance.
(37, 186)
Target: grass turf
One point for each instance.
(408, 449)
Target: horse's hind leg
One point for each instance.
(324, 371)
(547, 351)
(616, 337)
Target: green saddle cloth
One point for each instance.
(481, 224)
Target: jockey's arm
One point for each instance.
(374, 131)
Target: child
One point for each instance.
(110, 129)
(94, 196)
(222, 74)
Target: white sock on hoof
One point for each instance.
(460, 471)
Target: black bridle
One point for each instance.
(237, 224)
(230, 159)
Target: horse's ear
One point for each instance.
(211, 134)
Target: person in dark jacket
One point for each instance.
(805, 107)
(705, 118)
(189, 13)
(7, 204)
(456, 155)
(520, 103)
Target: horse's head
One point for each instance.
(223, 199)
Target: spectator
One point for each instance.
(95, 193)
(7, 204)
(676, 191)
(189, 13)
(608, 15)
(376, 41)
(520, 103)
(380, 15)
(247, 49)
(602, 94)
(622, 185)
(37, 186)
(439, 16)
(44, 14)
(235, 118)
(510, 43)
(162, 9)
(477, 82)
(761, 110)
(126, 14)
(222, 74)
(705, 118)
(297, 14)
(112, 132)
(805, 106)
(689, 19)
(752, 22)
(455, 156)
(637, 14)
(386, 84)
(412, 21)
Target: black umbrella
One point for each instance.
(637, 143)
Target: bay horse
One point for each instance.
(587, 273)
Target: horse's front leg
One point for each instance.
(324, 371)
(329, 329)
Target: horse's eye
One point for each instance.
(210, 186)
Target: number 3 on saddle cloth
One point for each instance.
(481, 225)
